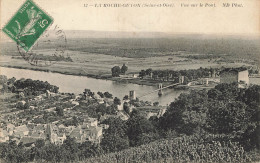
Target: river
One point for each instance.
(77, 84)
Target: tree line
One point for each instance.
(27, 86)
(189, 75)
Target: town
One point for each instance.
(52, 116)
(35, 112)
(30, 113)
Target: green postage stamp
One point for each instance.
(27, 25)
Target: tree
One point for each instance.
(4, 88)
(88, 149)
(39, 143)
(26, 105)
(108, 95)
(227, 117)
(187, 113)
(115, 137)
(59, 111)
(116, 71)
(75, 121)
(113, 109)
(55, 89)
(140, 130)
(100, 94)
(11, 80)
(117, 101)
(142, 73)
(88, 92)
(3, 79)
(126, 108)
(156, 103)
(126, 97)
(148, 71)
(124, 68)
(71, 146)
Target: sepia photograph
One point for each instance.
(127, 81)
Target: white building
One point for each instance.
(235, 75)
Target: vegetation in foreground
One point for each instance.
(196, 148)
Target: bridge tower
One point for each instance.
(160, 89)
(132, 95)
(181, 79)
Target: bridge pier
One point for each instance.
(132, 95)
(160, 89)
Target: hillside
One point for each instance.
(181, 149)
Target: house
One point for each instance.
(28, 141)
(104, 126)
(50, 109)
(4, 136)
(98, 99)
(135, 75)
(91, 121)
(39, 98)
(235, 75)
(68, 130)
(31, 107)
(40, 127)
(61, 126)
(108, 101)
(93, 134)
(77, 134)
(10, 128)
(121, 106)
(54, 135)
(149, 111)
(122, 115)
(20, 93)
(59, 138)
(44, 132)
(74, 102)
(50, 94)
(38, 135)
(21, 131)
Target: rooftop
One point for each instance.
(21, 128)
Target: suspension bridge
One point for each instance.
(159, 90)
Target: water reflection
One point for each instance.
(77, 84)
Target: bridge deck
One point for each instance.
(158, 90)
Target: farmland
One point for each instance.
(96, 56)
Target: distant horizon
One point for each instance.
(81, 34)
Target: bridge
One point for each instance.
(158, 90)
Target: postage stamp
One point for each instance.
(48, 50)
(27, 25)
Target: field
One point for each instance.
(96, 56)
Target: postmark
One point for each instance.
(31, 24)
(49, 49)
(27, 25)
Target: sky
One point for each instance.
(72, 15)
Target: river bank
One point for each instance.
(103, 77)
(138, 81)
